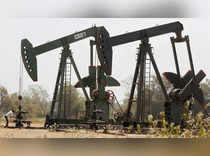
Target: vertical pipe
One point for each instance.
(20, 81)
(65, 89)
(70, 92)
(91, 52)
(190, 54)
(20, 77)
(175, 56)
(149, 91)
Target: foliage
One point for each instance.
(76, 100)
(53, 127)
(5, 104)
(36, 101)
(138, 128)
(205, 86)
(194, 127)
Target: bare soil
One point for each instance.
(37, 131)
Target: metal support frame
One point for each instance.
(175, 55)
(187, 40)
(66, 53)
(61, 103)
(174, 109)
(133, 86)
(141, 83)
(145, 48)
(56, 86)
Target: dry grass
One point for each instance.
(75, 133)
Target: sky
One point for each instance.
(42, 30)
(104, 8)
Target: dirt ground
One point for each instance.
(39, 132)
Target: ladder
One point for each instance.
(147, 83)
(62, 94)
(143, 88)
(67, 89)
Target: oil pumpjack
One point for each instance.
(185, 87)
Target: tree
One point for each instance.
(156, 95)
(5, 102)
(36, 101)
(76, 101)
(205, 86)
